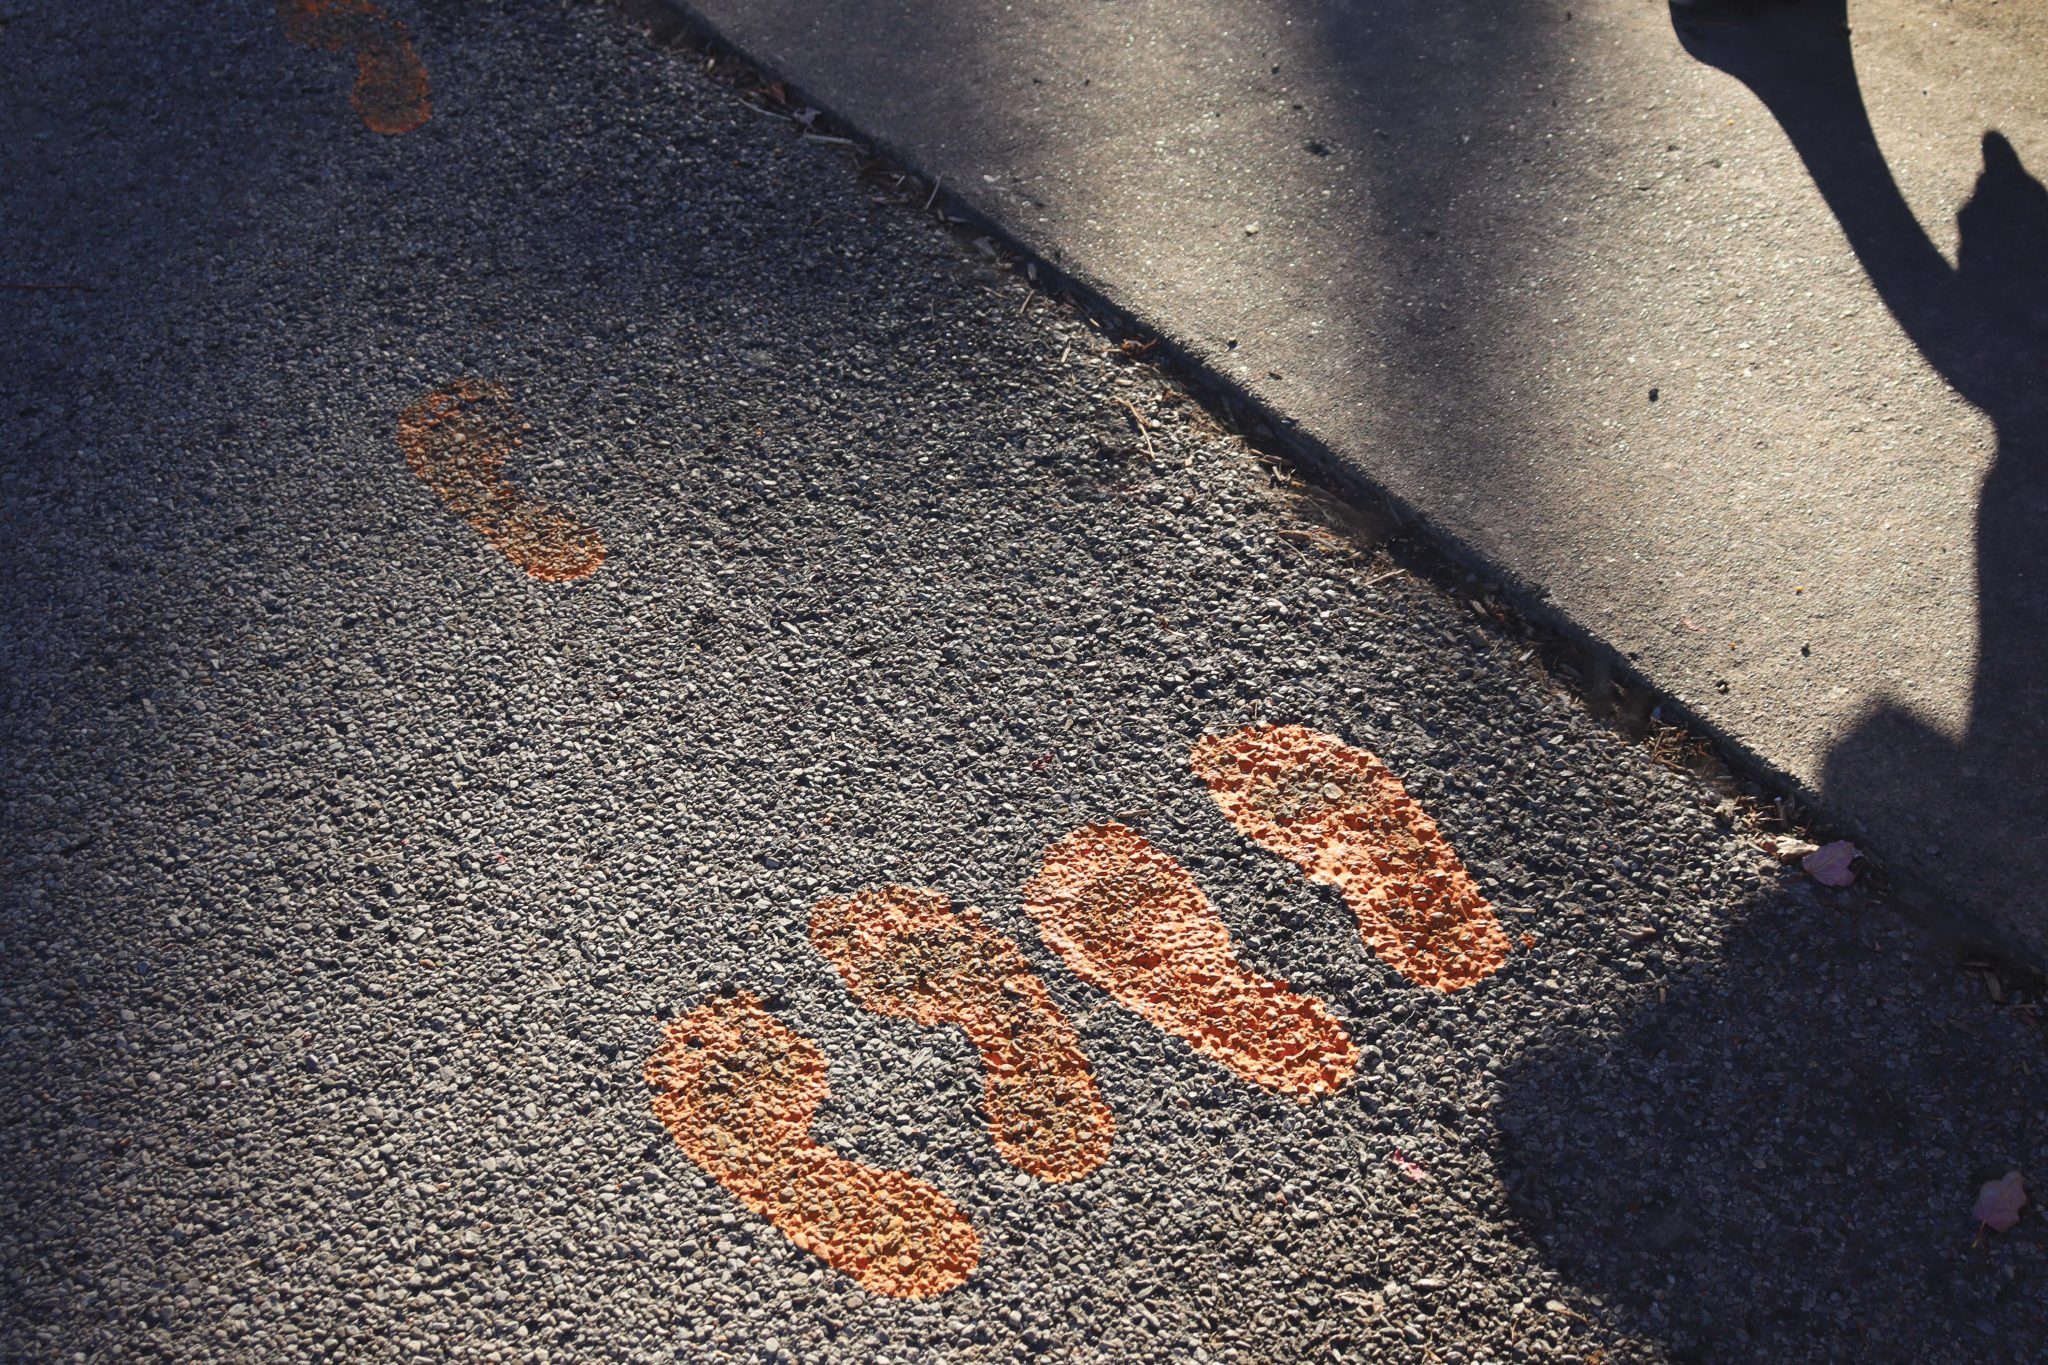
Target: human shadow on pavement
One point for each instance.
(1777, 1160)
(1983, 325)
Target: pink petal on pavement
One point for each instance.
(1829, 864)
(1413, 1171)
(1998, 1203)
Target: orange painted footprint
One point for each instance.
(391, 84)
(1344, 818)
(457, 439)
(907, 953)
(737, 1090)
(1130, 920)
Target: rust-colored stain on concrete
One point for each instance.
(457, 438)
(908, 953)
(1342, 816)
(391, 83)
(737, 1090)
(1129, 919)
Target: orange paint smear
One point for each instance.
(907, 953)
(737, 1090)
(391, 83)
(1344, 818)
(457, 439)
(1130, 920)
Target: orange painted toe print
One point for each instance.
(391, 84)
(1129, 919)
(737, 1090)
(457, 438)
(907, 953)
(1344, 818)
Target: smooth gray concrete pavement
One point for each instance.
(1663, 346)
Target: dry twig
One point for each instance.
(1143, 430)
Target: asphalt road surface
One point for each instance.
(381, 794)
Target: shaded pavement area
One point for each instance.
(479, 589)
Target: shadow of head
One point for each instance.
(1779, 1161)
(2002, 252)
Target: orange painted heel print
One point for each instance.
(457, 439)
(1129, 919)
(391, 84)
(737, 1090)
(907, 953)
(1344, 818)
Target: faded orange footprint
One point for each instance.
(906, 952)
(1129, 919)
(391, 83)
(457, 439)
(1342, 816)
(737, 1090)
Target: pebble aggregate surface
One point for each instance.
(352, 874)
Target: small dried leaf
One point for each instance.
(1830, 865)
(1998, 1203)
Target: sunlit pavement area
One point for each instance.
(378, 803)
